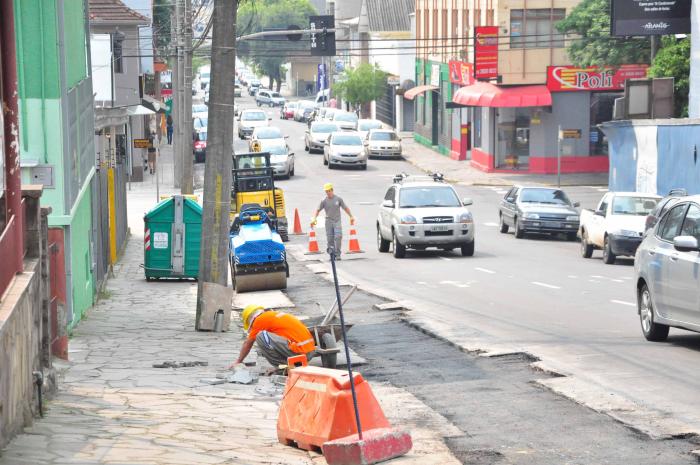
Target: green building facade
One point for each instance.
(57, 131)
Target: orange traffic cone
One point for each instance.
(354, 246)
(297, 224)
(313, 243)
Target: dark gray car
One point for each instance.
(538, 210)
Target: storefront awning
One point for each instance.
(411, 94)
(138, 110)
(484, 94)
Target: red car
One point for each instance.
(287, 111)
(200, 146)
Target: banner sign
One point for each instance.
(322, 77)
(649, 17)
(142, 144)
(571, 78)
(485, 52)
(461, 73)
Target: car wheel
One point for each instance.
(519, 233)
(503, 227)
(652, 331)
(306, 147)
(399, 249)
(586, 248)
(325, 162)
(382, 244)
(291, 171)
(608, 255)
(364, 167)
(468, 249)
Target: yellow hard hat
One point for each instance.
(328, 186)
(248, 313)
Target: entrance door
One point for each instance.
(435, 107)
(57, 278)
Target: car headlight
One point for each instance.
(466, 218)
(531, 216)
(408, 219)
(572, 218)
(625, 233)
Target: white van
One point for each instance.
(204, 74)
(322, 96)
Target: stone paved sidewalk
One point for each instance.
(463, 173)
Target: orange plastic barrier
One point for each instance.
(313, 243)
(317, 407)
(297, 224)
(354, 246)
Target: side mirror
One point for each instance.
(291, 154)
(388, 204)
(686, 244)
(510, 199)
(305, 132)
(269, 118)
(467, 201)
(286, 137)
(599, 213)
(577, 204)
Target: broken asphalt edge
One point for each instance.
(642, 419)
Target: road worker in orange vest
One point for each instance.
(279, 335)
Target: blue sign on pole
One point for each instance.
(322, 77)
(339, 66)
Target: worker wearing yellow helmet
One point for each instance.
(331, 205)
(278, 335)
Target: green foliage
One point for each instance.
(161, 24)
(268, 55)
(673, 60)
(590, 21)
(362, 84)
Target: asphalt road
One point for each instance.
(535, 295)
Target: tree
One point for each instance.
(362, 85)
(268, 55)
(590, 21)
(673, 60)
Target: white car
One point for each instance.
(383, 143)
(269, 98)
(248, 120)
(267, 133)
(199, 110)
(344, 148)
(315, 137)
(617, 225)
(303, 110)
(281, 159)
(365, 125)
(423, 211)
(345, 120)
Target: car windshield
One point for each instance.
(367, 125)
(420, 197)
(627, 205)
(347, 140)
(254, 116)
(351, 117)
(268, 133)
(383, 136)
(323, 127)
(205, 75)
(546, 196)
(275, 149)
(200, 108)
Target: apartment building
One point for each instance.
(508, 117)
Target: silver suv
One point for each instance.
(666, 267)
(423, 211)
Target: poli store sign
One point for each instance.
(571, 78)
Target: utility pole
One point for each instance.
(177, 106)
(186, 185)
(213, 263)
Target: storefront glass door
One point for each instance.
(513, 138)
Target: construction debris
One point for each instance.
(173, 364)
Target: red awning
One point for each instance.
(411, 93)
(484, 94)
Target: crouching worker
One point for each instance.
(278, 335)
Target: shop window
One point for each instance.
(446, 123)
(477, 126)
(419, 110)
(601, 106)
(535, 28)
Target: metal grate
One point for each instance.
(438, 219)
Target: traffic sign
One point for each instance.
(322, 43)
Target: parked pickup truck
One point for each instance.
(617, 224)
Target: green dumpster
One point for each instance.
(172, 238)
